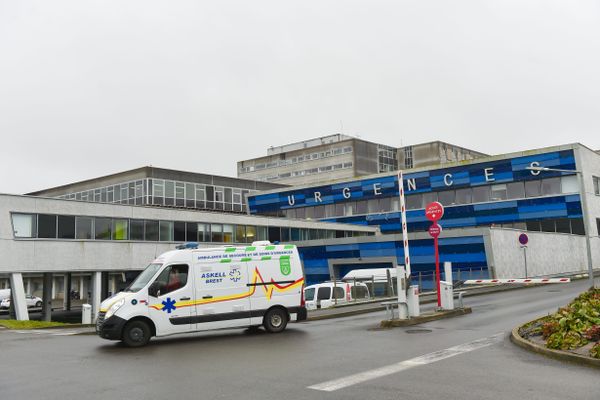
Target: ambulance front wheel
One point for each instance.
(136, 334)
(275, 320)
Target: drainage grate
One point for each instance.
(420, 330)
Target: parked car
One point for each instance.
(32, 301)
(327, 294)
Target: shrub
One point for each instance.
(593, 333)
(549, 328)
(595, 351)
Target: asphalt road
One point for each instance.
(400, 363)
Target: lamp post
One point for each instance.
(586, 225)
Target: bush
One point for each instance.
(576, 324)
(595, 351)
(593, 334)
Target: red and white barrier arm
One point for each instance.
(518, 281)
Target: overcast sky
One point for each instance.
(89, 88)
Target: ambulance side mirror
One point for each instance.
(154, 289)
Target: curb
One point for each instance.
(555, 354)
(395, 323)
(345, 313)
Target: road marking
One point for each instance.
(341, 383)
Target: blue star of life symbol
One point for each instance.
(169, 305)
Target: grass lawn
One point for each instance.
(14, 324)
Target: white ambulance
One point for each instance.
(191, 289)
(329, 294)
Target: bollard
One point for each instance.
(86, 314)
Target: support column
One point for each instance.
(96, 289)
(81, 292)
(47, 297)
(17, 292)
(29, 286)
(67, 292)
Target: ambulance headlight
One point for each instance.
(113, 309)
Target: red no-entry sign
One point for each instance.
(434, 211)
(435, 230)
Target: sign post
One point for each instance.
(434, 212)
(523, 240)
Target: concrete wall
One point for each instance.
(547, 253)
(588, 161)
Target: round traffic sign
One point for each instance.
(434, 230)
(523, 239)
(434, 211)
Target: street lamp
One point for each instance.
(586, 225)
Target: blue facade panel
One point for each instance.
(471, 175)
(465, 253)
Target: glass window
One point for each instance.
(577, 227)
(361, 207)
(533, 226)
(464, 196)
(219, 196)
(319, 212)
(228, 233)
(191, 232)
(447, 197)
(569, 184)
(372, 206)
(169, 189)
(359, 292)
(84, 228)
(261, 232)
(498, 192)
(349, 208)
(481, 194)
(563, 225)
(385, 204)
(203, 233)
(414, 201)
(324, 293)
(158, 188)
(598, 226)
(166, 231)
(285, 234)
(103, 227)
(551, 186)
(330, 211)
(217, 232)
(24, 225)
(515, 190)
(533, 188)
(179, 231)
(338, 292)
(136, 229)
(548, 225)
(179, 190)
(200, 193)
(66, 227)
(240, 233)
(596, 182)
(120, 229)
(274, 234)
(151, 230)
(250, 233)
(172, 278)
(46, 226)
(429, 198)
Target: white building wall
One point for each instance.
(547, 253)
(590, 166)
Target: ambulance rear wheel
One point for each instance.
(136, 334)
(275, 320)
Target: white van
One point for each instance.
(190, 289)
(327, 294)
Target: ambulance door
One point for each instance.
(222, 296)
(169, 298)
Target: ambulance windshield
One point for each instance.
(143, 278)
